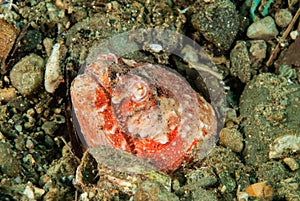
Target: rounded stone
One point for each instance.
(294, 34)
(231, 138)
(27, 75)
(283, 17)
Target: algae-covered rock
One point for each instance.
(240, 62)
(269, 106)
(223, 164)
(218, 21)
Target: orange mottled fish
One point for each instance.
(145, 109)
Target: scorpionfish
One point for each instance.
(145, 109)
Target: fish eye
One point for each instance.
(139, 91)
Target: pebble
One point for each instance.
(27, 75)
(153, 191)
(49, 127)
(291, 55)
(29, 144)
(294, 34)
(242, 196)
(292, 163)
(53, 76)
(203, 177)
(49, 141)
(19, 128)
(29, 193)
(258, 50)
(7, 94)
(32, 192)
(54, 12)
(284, 145)
(54, 193)
(283, 17)
(9, 164)
(231, 138)
(30, 112)
(48, 44)
(29, 125)
(263, 29)
(201, 194)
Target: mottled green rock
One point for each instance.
(218, 21)
(263, 29)
(240, 62)
(270, 108)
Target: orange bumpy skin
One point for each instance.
(147, 110)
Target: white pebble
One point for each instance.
(294, 34)
(53, 75)
(155, 47)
